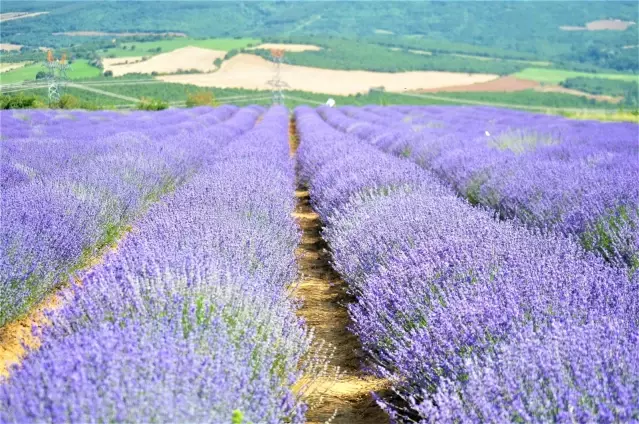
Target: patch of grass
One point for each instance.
(612, 116)
(238, 417)
(79, 69)
(557, 76)
(605, 237)
(148, 48)
(521, 141)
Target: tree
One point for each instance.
(108, 73)
(201, 98)
(41, 75)
(152, 104)
(230, 54)
(217, 62)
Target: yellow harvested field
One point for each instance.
(4, 17)
(9, 46)
(4, 67)
(109, 62)
(253, 72)
(287, 47)
(184, 59)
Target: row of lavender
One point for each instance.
(573, 177)
(66, 195)
(471, 319)
(189, 320)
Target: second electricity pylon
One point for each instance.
(277, 56)
(56, 75)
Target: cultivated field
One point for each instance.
(511, 84)
(601, 25)
(10, 47)
(79, 69)
(251, 72)
(556, 76)
(118, 34)
(287, 47)
(185, 58)
(5, 67)
(12, 16)
(149, 48)
(193, 265)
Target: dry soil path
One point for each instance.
(348, 399)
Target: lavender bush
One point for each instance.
(551, 173)
(64, 199)
(441, 286)
(190, 319)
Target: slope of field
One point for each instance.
(12, 16)
(253, 72)
(601, 25)
(79, 69)
(6, 67)
(556, 76)
(185, 58)
(287, 47)
(146, 47)
(511, 84)
(503, 84)
(9, 46)
(117, 34)
(596, 97)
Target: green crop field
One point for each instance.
(557, 76)
(79, 69)
(150, 47)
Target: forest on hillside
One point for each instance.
(517, 30)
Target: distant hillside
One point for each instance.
(590, 34)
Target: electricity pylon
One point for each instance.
(276, 83)
(56, 75)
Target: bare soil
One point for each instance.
(253, 72)
(347, 400)
(18, 336)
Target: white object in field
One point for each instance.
(330, 103)
(487, 134)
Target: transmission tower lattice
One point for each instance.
(277, 84)
(56, 75)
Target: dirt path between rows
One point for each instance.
(347, 400)
(17, 335)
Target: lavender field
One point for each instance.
(489, 261)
